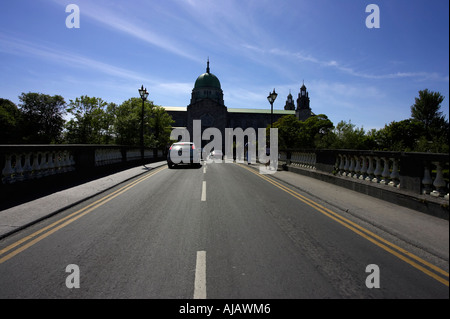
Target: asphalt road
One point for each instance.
(219, 231)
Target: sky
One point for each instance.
(367, 76)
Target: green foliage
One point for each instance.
(426, 131)
(39, 119)
(289, 128)
(127, 124)
(161, 124)
(128, 121)
(9, 122)
(426, 110)
(348, 136)
(400, 136)
(91, 121)
(42, 118)
(293, 133)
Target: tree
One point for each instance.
(426, 110)
(288, 132)
(127, 121)
(400, 136)
(42, 117)
(91, 122)
(157, 124)
(9, 122)
(315, 131)
(161, 124)
(348, 136)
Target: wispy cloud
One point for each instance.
(132, 26)
(303, 57)
(24, 48)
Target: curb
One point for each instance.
(59, 210)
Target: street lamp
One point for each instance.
(144, 94)
(272, 97)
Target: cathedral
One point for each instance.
(207, 104)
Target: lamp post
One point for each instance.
(144, 94)
(272, 97)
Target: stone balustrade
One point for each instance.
(304, 159)
(420, 173)
(20, 163)
(20, 166)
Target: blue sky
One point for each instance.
(367, 76)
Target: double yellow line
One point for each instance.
(37, 236)
(415, 261)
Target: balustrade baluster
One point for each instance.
(18, 168)
(370, 169)
(44, 164)
(58, 162)
(386, 173)
(341, 164)
(377, 172)
(346, 165)
(7, 171)
(357, 167)
(395, 176)
(36, 167)
(27, 169)
(363, 170)
(351, 166)
(51, 164)
(439, 182)
(426, 181)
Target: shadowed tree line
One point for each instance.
(425, 131)
(44, 119)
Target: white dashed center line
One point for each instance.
(200, 276)
(204, 191)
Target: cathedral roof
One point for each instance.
(207, 80)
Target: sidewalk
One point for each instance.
(416, 228)
(18, 217)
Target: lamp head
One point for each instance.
(272, 97)
(143, 93)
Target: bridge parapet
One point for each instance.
(21, 163)
(419, 173)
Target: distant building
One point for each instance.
(207, 104)
(303, 111)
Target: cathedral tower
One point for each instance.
(290, 105)
(303, 111)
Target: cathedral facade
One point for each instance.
(207, 104)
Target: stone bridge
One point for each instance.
(415, 180)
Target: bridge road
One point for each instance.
(219, 231)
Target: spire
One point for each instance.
(207, 66)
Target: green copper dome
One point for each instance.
(207, 80)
